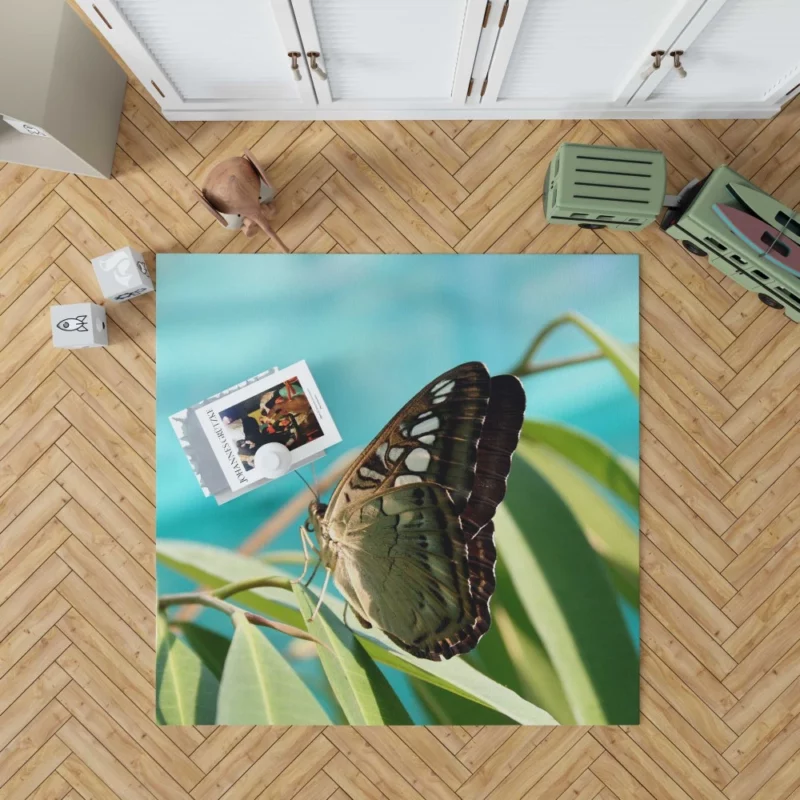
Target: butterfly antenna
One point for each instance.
(310, 487)
(314, 476)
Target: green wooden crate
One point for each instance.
(605, 187)
(696, 225)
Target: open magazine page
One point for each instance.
(196, 446)
(284, 407)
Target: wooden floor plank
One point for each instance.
(17, 243)
(159, 131)
(33, 737)
(38, 768)
(91, 605)
(29, 533)
(424, 221)
(437, 143)
(103, 654)
(686, 558)
(36, 624)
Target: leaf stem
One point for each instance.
(526, 367)
(195, 598)
(533, 369)
(212, 600)
(230, 589)
(519, 370)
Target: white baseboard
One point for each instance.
(741, 111)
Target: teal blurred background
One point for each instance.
(374, 330)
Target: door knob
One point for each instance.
(312, 58)
(676, 59)
(658, 56)
(295, 65)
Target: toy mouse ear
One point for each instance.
(257, 167)
(214, 213)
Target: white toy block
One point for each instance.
(122, 274)
(78, 325)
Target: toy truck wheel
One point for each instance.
(693, 248)
(592, 226)
(769, 301)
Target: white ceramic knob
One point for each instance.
(273, 460)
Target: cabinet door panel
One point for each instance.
(578, 52)
(385, 54)
(210, 54)
(748, 52)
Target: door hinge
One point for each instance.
(469, 88)
(503, 15)
(485, 84)
(486, 13)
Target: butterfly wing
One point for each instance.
(498, 440)
(433, 438)
(403, 564)
(428, 485)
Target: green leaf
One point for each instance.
(541, 682)
(186, 690)
(215, 566)
(568, 597)
(527, 657)
(609, 532)
(590, 455)
(618, 353)
(259, 687)
(360, 687)
(212, 647)
(496, 657)
(448, 708)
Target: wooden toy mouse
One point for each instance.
(238, 194)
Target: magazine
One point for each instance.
(197, 448)
(284, 406)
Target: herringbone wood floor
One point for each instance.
(720, 468)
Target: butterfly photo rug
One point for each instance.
(473, 551)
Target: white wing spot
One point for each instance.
(428, 438)
(418, 459)
(440, 399)
(444, 387)
(404, 479)
(395, 453)
(366, 472)
(424, 414)
(428, 425)
(381, 451)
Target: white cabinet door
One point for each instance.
(206, 54)
(578, 54)
(735, 52)
(385, 54)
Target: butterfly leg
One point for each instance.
(306, 542)
(348, 607)
(313, 573)
(321, 595)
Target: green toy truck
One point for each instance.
(701, 231)
(609, 187)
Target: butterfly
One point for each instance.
(408, 534)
